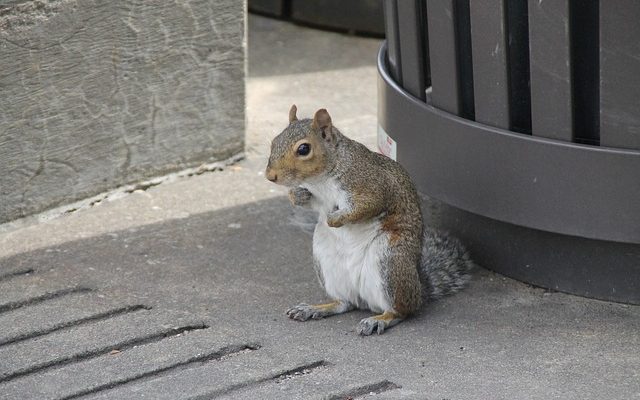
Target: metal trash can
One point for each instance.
(520, 123)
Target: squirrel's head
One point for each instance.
(302, 150)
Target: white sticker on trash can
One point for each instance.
(386, 145)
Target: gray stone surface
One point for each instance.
(32, 286)
(60, 313)
(86, 341)
(98, 94)
(247, 371)
(223, 249)
(113, 370)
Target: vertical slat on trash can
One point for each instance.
(518, 66)
(411, 34)
(465, 59)
(393, 42)
(445, 79)
(585, 71)
(619, 80)
(490, 76)
(550, 66)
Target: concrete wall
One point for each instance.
(97, 94)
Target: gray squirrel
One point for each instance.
(370, 248)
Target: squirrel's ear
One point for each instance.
(322, 122)
(292, 113)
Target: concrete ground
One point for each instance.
(178, 291)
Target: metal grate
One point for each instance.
(556, 69)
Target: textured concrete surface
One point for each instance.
(227, 276)
(185, 286)
(99, 94)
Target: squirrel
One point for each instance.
(370, 248)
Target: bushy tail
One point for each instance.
(445, 265)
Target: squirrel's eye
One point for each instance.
(304, 149)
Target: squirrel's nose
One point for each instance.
(271, 175)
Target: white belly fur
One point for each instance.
(349, 256)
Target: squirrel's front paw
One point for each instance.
(299, 196)
(304, 312)
(335, 219)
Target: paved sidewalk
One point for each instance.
(179, 291)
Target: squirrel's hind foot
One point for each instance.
(305, 312)
(378, 323)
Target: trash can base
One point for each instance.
(586, 267)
